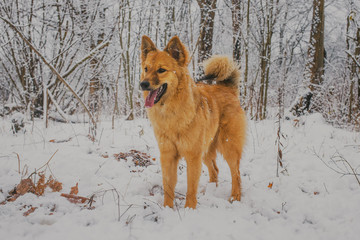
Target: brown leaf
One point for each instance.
(74, 190)
(28, 212)
(60, 141)
(55, 186)
(270, 185)
(25, 186)
(40, 186)
(92, 138)
(74, 198)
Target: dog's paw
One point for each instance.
(236, 197)
(190, 204)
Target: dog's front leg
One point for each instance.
(193, 177)
(169, 162)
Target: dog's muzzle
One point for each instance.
(145, 85)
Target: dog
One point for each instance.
(192, 120)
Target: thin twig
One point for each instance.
(352, 169)
(118, 198)
(177, 209)
(125, 211)
(47, 163)
(327, 164)
(18, 157)
(102, 130)
(340, 171)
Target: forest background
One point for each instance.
(74, 60)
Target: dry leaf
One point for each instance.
(25, 186)
(55, 186)
(74, 198)
(40, 186)
(270, 185)
(74, 190)
(140, 159)
(28, 212)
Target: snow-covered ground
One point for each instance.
(309, 200)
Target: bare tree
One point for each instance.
(267, 18)
(268, 38)
(314, 69)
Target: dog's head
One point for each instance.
(161, 70)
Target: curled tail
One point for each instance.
(223, 70)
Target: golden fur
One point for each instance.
(193, 120)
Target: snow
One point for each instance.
(308, 201)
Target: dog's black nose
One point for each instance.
(144, 85)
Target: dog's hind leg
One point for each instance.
(233, 157)
(231, 141)
(210, 162)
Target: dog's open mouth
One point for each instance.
(155, 96)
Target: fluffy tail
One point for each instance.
(223, 70)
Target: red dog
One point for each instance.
(192, 120)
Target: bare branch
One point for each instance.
(92, 53)
(340, 170)
(353, 58)
(51, 68)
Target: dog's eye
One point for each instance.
(161, 70)
(145, 69)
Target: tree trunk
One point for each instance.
(246, 71)
(207, 16)
(236, 29)
(170, 20)
(314, 69)
(315, 64)
(357, 65)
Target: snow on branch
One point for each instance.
(51, 68)
(353, 58)
(92, 53)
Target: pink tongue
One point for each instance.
(149, 101)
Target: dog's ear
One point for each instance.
(146, 46)
(178, 51)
